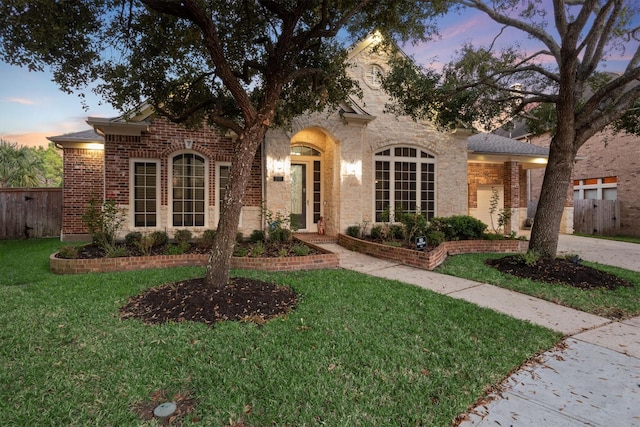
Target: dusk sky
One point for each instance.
(32, 107)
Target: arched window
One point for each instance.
(188, 190)
(404, 179)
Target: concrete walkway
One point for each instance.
(591, 379)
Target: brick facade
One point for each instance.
(606, 155)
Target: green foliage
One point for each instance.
(240, 251)
(353, 231)
(160, 238)
(132, 238)
(68, 252)
(504, 215)
(206, 240)
(530, 257)
(239, 237)
(103, 220)
(257, 236)
(19, 166)
(182, 236)
(435, 238)
(459, 227)
(377, 233)
(257, 249)
(115, 251)
(415, 224)
(177, 249)
(301, 250)
(279, 226)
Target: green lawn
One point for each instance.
(357, 350)
(622, 302)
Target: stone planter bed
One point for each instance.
(101, 265)
(428, 260)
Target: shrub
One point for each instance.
(415, 224)
(301, 250)
(279, 235)
(459, 227)
(206, 240)
(377, 233)
(396, 232)
(257, 236)
(144, 244)
(182, 236)
(434, 238)
(116, 252)
(239, 237)
(530, 258)
(258, 249)
(68, 252)
(240, 251)
(132, 238)
(177, 249)
(353, 231)
(493, 236)
(103, 220)
(160, 238)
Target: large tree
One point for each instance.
(558, 87)
(241, 65)
(20, 166)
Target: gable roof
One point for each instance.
(83, 139)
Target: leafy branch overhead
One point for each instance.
(486, 86)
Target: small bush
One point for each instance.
(459, 227)
(116, 252)
(258, 249)
(132, 238)
(257, 236)
(435, 238)
(530, 258)
(160, 238)
(283, 252)
(280, 235)
(68, 252)
(240, 251)
(396, 232)
(377, 233)
(239, 237)
(493, 236)
(177, 249)
(301, 250)
(182, 236)
(353, 231)
(206, 240)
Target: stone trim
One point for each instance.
(430, 260)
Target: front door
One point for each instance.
(299, 196)
(306, 194)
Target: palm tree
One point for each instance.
(19, 166)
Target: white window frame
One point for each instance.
(419, 161)
(170, 191)
(132, 209)
(579, 189)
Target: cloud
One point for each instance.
(33, 139)
(21, 101)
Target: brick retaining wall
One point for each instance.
(101, 265)
(431, 259)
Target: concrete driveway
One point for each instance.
(620, 254)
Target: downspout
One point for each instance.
(263, 181)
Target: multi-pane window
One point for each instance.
(188, 190)
(145, 193)
(404, 179)
(596, 188)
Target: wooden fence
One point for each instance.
(596, 217)
(30, 212)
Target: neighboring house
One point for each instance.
(347, 166)
(608, 168)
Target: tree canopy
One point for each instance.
(239, 65)
(22, 166)
(559, 87)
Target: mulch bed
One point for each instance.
(558, 271)
(243, 300)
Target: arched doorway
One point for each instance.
(306, 187)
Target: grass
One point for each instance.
(357, 350)
(622, 302)
(628, 239)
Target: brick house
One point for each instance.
(346, 166)
(608, 168)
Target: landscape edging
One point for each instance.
(429, 260)
(102, 265)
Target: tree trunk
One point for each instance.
(224, 241)
(557, 178)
